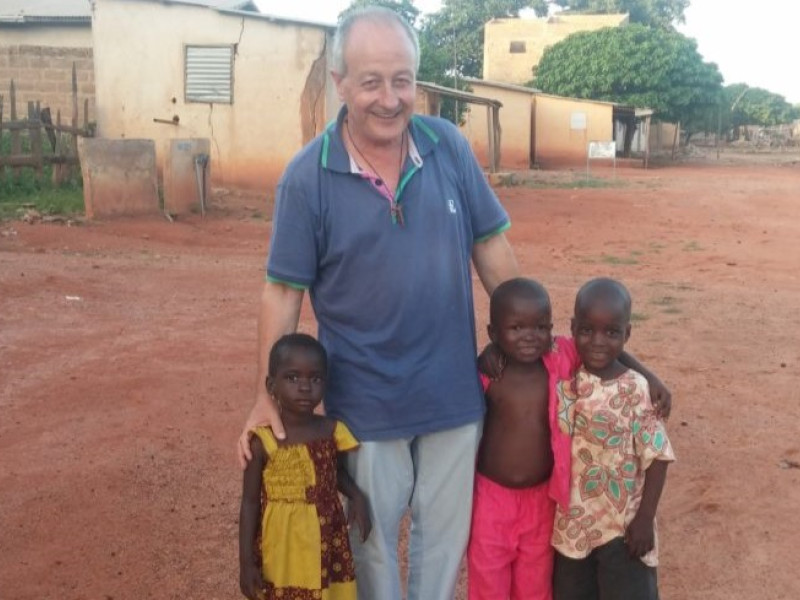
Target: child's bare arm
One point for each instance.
(492, 361)
(659, 393)
(639, 536)
(357, 505)
(251, 582)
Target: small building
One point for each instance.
(40, 41)
(513, 47)
(563, 128)
(547, 131)
(429, 102)
(516, 123)
(256, 86)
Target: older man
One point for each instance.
(378, 218)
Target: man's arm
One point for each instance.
(494, 261)
(659, 393)
(278, 315)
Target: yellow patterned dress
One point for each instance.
(304, 543)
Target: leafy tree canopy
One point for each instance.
(634, 65)
(757, 106)
(657, 13)
(454, 35)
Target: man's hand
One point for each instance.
(278, 315)
(358, 513)
(266, 413)
(660, 396)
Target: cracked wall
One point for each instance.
(281, 92)
(312, 101)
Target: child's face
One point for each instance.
(523, 330)
(600, 331)
(299, 382)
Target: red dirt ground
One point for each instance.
(127, 358)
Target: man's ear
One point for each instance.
(337, 81)
(572, 327)
(627, 332)
(492, 334)
(270, 383)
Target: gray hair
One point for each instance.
(374, 14)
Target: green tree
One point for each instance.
(756, 106)
(657, 13)
(454, 35)
(452, 43)
(635, 65)
(405, 8)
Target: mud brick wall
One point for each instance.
(44, 73)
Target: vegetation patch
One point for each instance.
(23, 190)
(692, 246)
(610, 259)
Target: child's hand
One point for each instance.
(660, 396)
(358, 513)
(492, 362)
(639, 536)
(251, 582)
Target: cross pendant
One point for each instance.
(397, 214)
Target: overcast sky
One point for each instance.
(751, 42)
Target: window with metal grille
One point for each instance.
(517, 48)
(209, 74)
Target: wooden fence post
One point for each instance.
(74, 117)
(2, 171)
(29, 131)
(16, 146)
(35, 136)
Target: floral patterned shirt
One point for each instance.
(615, 437)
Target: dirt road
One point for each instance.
(126, 367)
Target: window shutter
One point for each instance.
(209, 74)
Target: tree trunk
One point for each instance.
(675, 139)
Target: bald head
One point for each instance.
(513, 289)
(375, 15)
(605, 292)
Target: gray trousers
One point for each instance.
(608, 573)
(432, 474)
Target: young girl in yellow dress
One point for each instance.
(293, 540)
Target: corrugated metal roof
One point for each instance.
(22, 12)
(502, 85)
(246, 5)
(458, 94)
(48, 9)
(38, 10)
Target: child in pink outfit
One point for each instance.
(523, 464)
(509, 552)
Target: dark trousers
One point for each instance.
(608, 573)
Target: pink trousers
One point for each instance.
(509, 553)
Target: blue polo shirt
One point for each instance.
(393, 301)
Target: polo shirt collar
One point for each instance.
(422, 141)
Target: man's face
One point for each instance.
(379, 85)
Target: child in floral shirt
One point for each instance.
(605, 541)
